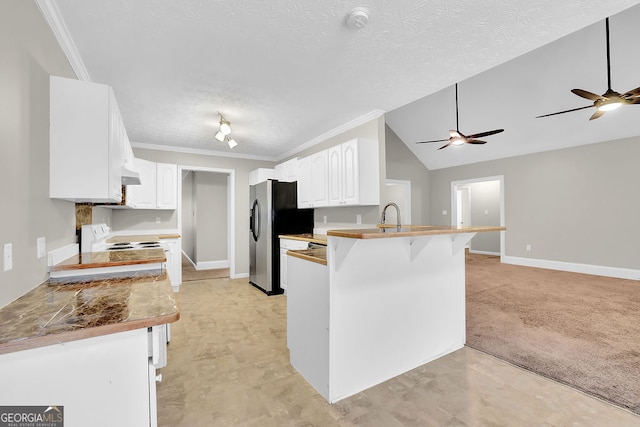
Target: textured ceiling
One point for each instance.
(286, 72)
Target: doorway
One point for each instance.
(480, 201)
(204, 247)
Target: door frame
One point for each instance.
(454, 203)
(231, 209)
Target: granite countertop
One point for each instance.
(141, 238)
(111, 259)
(389, 230)
(320, 239)
(52, 314)
(317, 254)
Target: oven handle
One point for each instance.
(255, 220)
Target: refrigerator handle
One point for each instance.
(255, 220)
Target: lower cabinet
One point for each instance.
(173, 251)
(109, 380)
(285, 245)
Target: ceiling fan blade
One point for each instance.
(475, 141)
(565, 111)
(488, 133)
(435, 140)
(588, 95)
(445, 145)
(633, 93)
(597, 114)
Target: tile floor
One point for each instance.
(229, 366)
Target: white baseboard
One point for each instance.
(209, 265)
(471, 251)
(597, 270)
(240, 276)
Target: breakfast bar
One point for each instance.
(387, 301)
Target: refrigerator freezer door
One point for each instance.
(260, 240)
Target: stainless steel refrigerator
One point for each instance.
(274, 211)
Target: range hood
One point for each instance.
(130, 177)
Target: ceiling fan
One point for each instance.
(458, 138)
(608, 101)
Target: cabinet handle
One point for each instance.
(159, 378)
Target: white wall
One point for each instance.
(485, 210)
(211, 214)
(30, 53)
(188, 216)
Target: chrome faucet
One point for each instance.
(384, 213)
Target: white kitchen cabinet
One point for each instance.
(173, 252)
(303, 173)
(86, 142)
(354, 173)
(285, 245)
(260, 175)
(313, 188)
(158, 187)
(143, 196)
(166, 186)
(107, 371)
(287, 171)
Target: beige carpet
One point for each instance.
(577, 329)
(190, 274)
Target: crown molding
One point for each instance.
(333, 132)
(53, 17)
(200, 151)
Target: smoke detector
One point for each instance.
(358, 18)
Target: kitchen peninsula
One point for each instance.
(384, 301)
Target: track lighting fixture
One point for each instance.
(225, 130)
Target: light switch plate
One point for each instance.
(8, 256)
(40, 243)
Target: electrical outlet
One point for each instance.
(40, 243)
(528, 247)
(324, 219)
(444, 212)
(157, 220)
(8, 256)
(358, 219)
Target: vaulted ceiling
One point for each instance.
(287, 73)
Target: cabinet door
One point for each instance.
(304, 182)
(143, 196)
(335, 175)
(167, 186)
(319, 179)
(350, 173)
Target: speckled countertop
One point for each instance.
(317, 255)
(52, 314)
(387, 231)
(111, 259)
(320, 239)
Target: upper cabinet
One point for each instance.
(287, 171)
(87, 142)
(260, 175)
(158, 188)
(312, 180)
(347, 174)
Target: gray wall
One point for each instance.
(211, 216)
(373, 129)
(485, 210)
(403, 164)
(576, 205)
(242, 167)
(30, 53)
(188, 216)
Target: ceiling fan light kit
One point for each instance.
(610, 100)
(458, 138)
